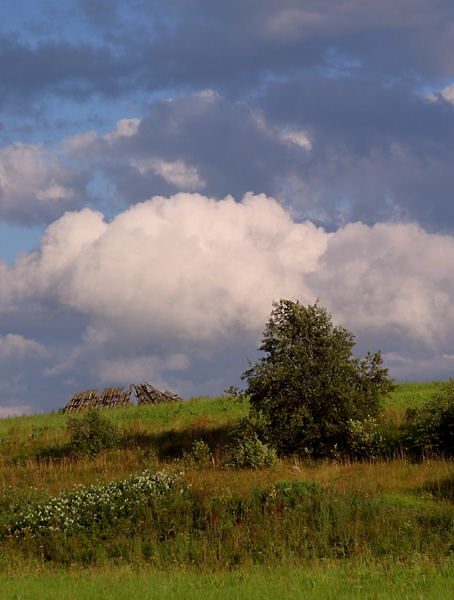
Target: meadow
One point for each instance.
(164, 512)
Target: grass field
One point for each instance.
(306, 529)
(314, 581)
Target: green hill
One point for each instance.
(166, 498)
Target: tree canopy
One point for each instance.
(308, 385)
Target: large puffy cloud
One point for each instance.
(391, 280)
(187, 267)
(172, 286)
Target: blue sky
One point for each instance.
(168, 169)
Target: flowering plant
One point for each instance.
(99, 505)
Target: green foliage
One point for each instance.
(234, 391)
(308, 385)
(430, 428)
(199, 456)
(364, 439)
(245, 448)
(92, 432)
(200, 452)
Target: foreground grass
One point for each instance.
(329, 581)
(221, 520)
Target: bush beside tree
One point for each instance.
(246, 449)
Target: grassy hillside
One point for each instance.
(157, 501)
(409, 395)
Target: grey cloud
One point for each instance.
(346, 73)
(250, 40)
(14, 347)
(218, 141)
(60, 68)
(226, 46)
(377, 154)
(371, 155)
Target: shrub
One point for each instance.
(200, 454)
(363, 439)
(430, 428)
(245, 448)
(308, 385)
(92, 432)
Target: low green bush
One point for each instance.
(364, 440)
(154, 519)
(200, 455)
(92, 432)
(246, 449)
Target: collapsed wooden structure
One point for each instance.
(147, 394)
(118, 396)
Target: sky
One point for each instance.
(170, 168)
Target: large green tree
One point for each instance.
(308, 385)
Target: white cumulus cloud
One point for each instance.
(187, 267)
(167, 279)
(392, 278)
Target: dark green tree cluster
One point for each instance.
(308, 386)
